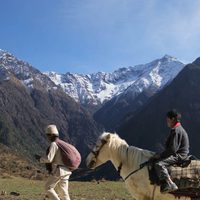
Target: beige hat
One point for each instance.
(51, 130)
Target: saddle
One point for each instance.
(186, 175)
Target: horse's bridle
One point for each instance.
(96, 153)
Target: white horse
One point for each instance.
(111, 147)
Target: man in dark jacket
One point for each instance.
(176, 150)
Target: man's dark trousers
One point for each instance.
(161, 166)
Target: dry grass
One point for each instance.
(13, 164)
(33, 190)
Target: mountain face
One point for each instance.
(154, 77)
(148, 128)
(29, 101)
(96, 89)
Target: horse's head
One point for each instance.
(100, 152)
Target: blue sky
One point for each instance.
(87, 36)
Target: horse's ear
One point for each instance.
(108, 137)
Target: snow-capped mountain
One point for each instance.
(29, 101)
(96, 88)
(151, 79)
(10, 66)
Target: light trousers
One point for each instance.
(60, 181)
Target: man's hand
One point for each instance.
(37, 157)
(154, 158)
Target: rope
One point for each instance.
(141, 167)
(154, 190)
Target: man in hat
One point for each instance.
(176, 150)
(59, 174)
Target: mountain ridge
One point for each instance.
(98, 88)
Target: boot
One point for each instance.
(168, 186)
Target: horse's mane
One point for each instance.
(130, 154)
